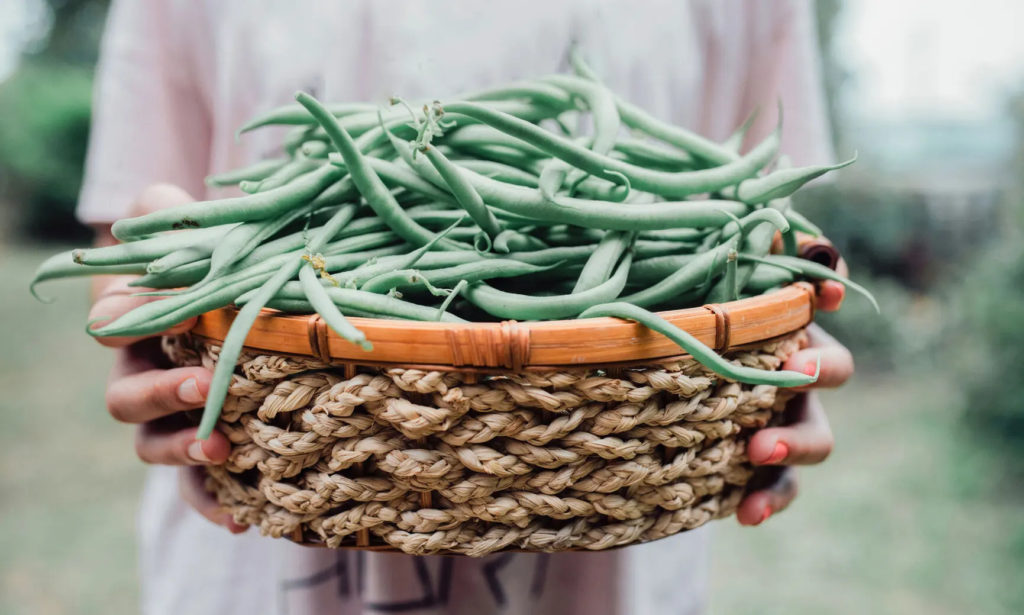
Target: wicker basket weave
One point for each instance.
(489, 444)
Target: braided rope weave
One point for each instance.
(432, 462)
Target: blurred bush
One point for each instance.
(991, 352)
(44, 121)
(44, 129)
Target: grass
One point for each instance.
(902, 519)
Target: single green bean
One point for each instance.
(254, 172)
(465, 194)
(813, 270)
(601, 264)
(145, 250)
(700, 352)
(784, 182)
(63, 265)
(258, 206)
(317, 297)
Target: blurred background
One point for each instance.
(918, 510)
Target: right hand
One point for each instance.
(146, 391)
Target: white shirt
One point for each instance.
(178, 77)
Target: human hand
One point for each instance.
(146, 391)
(806, 439)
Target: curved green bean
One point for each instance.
(704, 355)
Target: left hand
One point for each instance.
(807, 438)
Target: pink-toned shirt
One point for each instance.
(178, 77)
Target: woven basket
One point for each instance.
(476, 438)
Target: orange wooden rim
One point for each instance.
(518, 345)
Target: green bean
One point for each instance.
(638, 119)
(766, 277)
(240, 326)
(601, 264)
(604, 215)
(501, 154)
(470, 272)
(473, 136)
(254, 172)
(63, 265)
(384, 305)
(701, 353)
(246, 237)
(693, 272)
(682, 235)
(301, 165)
(802, 224)
(759, 242)
(651, 155)
(783, 183)
(753, 219)
(465, 194)
(442, 310)
(315, 149)
(413, 257)
(730, 282)
(301, 306)
(258, 206)
(368, 182)
(656, 268)
(513, 241)
(601, 103)
(736, 139)
(145, 250)
(813, 270)
(317, 297)
(180, 257)
(524, 307)
(297, 115)
(659, 182)
(539, 93)
(498, 171)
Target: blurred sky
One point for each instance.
(933, 59)
(950, 59)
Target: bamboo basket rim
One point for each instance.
(517, 346)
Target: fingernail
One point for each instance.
(811, 368)
(764, 516)
(778, 453)
(188, 392)
(195, 452)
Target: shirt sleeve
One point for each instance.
(149, 124)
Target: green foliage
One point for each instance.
(991, 353)
(44, 130)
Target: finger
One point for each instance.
(830, 295)
(118, 299)
(807, 441)
(144, 396)
(155, 443)
(758, 506)
(836, 361)
(192, 490)
(157, 197)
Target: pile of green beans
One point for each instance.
(537, 200)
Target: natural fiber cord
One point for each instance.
(452, 462)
